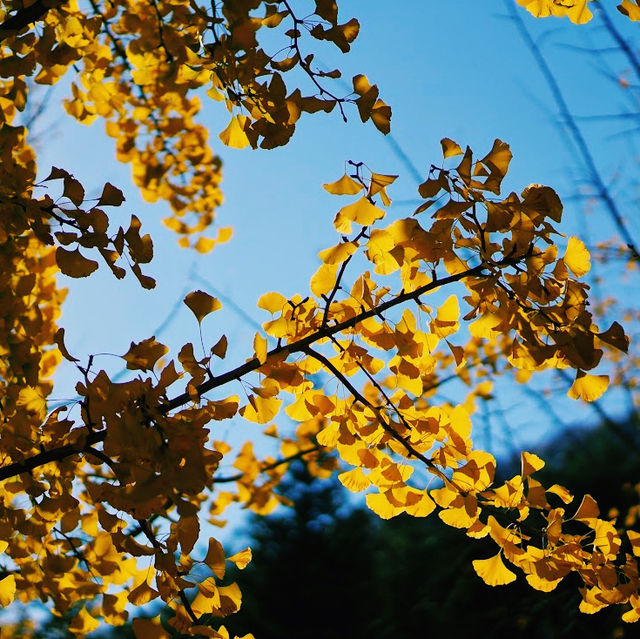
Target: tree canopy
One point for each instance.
(105, 499)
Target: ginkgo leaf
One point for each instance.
(83, 623)
(541, 584)
(260, 348)
(142, 594)
(149, 628)
(493, 571)
(530, 463)
(630, 9)
(7, 590)
(234, 135)
(381, 506)
(261, 409)
(339, 253)
(73, 190)
(587, 387)
(272, 302)
(32, 400)
(215, 558)
(324, 279)
(73, 263)
(450, 148)
(58, 338)
(204, 245)
(380, 182)
(362, 212)
(344, 186)
(577, 257)
(111, 196)
(355, 480)
(220, 348)
(145, 354)
(241, 559)
(201, 304)
(634, 538)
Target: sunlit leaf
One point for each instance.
(234, 135)
(7, 590)
(577, 257)
(344, 186)
(587, 387)
(450, 148)
(493, 571)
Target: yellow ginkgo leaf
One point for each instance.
(380, 181)
(381, 506)
(344, 186)
(260, 348)
(543, 585)
(241, 559)
(530, 463)
(493, 571)
(272, 302)
(577, 257)
(355, 480)
(32, 400)
(7, 590)
(630, 9)
(362, 212)
(450, 148)
(339, 253)
(324, 279)
(261, 409)
(234, 135)
(589, 388)
(201, 304)
(83, 623)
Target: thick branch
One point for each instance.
(27, 16)
(62, 452)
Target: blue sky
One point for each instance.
(457, 69)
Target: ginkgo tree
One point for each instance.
(104, 500)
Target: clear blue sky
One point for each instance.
(457, 69)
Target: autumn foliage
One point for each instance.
(103, 502)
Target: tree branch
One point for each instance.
(26, 16)
(302, 345)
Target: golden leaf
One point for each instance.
(630, 9)
(324, 279)
(355, 480)
(493, 571)
(234, 135)
(272, 302)
(201, 304)
(7, 590)
(260, 348)
(577, 257)
(344, 186)
(587, 387)
(450, 148)
(362, 212)
(241, 559)
(530, 464)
